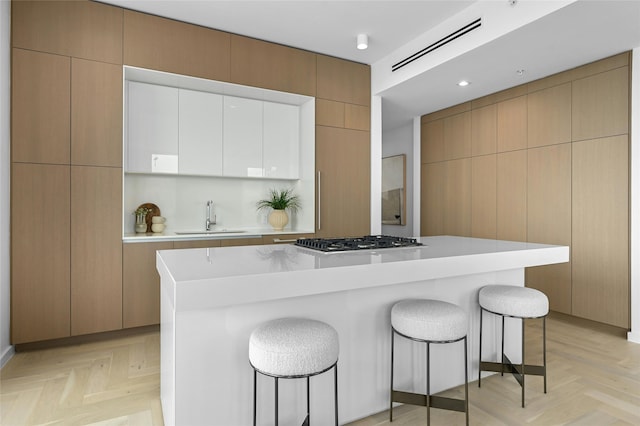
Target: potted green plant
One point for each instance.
(279, 201)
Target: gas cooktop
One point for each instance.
(368, 242)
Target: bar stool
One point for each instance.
(515, 302)
(292, 348)
(429, 321)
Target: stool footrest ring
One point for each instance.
(441, 402)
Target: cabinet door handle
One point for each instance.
(319, 198)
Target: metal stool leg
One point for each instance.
(480, 351)
(308, 412)
(466, 382)
(255, 395)
(544, 351)
(428, 386)
(522, 363)
(335, 381)
(502, 350)
(391, 391)
(276, 401)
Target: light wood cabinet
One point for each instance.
(231, 242)
(329, 113)
(511, 196)
(600, 105)
(357, 117)
(290, 70)
(483, 130)
(40, 252)
(96, 249)
(483, 196)
(432, 141)
(167, 45)
(343, 81)
(40, 107)
(141, 283)
(96, 113)
(432, 188)
(549, 116)
(600, 236)
(196, 244)
(457, 198)
(511, 132)
(549, 218)
(82, 29)
(343, 182)
(457, 136)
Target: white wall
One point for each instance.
(6, 350)
(395, 142)
(634, 334)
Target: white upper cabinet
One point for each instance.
(200, 133)
(280, 144)
(152, 128)
(242, 146)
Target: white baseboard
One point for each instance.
(633, 337)
(7, 355)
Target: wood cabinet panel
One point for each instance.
(357, 117)
(432, 141)
(432, 187)
(600, 236)
(196, 244)
(343, 165)
(40, 107)
(549, 218)
(343, 81)
(96, 249)
(512, 124)
(549, 116)
(40, 252)
(329, 113)
(96, 113)
(83, 29)
(272, 66)
(483, 196)
(457, 136)
(141, 283)
(231, 242)
(457, 198)
(483, 130)
(600, 105)
(511, 196)
(167, 45)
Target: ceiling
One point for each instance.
(578, 33)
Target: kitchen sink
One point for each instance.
(222, 231)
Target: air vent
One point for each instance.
(438, 44)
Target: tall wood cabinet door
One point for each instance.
(96, 113)
(483, 196)
(141, 283)
(457, 198)
(167, 45)
(343, 182)
(40, 252)
(432, 141)
(600, 230)
(457, 136)
(40, 107)
(600, 105)
(272, 66)
(511, 132)
(432, 187)
(483, 130)
(511, 196)
(96, 249)
(83, 29)
(549, 219)
(343, 81)
(549, 116)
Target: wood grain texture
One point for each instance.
(457, 136)
(40, 107)
(483, 130)
(600, 236)
(457, 198)
(343, 81)
(231, 242)
(593, 380)
(432, 187)
(196, 244)
(82, 29)
(329, 113)
(40, 252)
(432, 141)
(511, 196)
(167, 45)
(96, 113)
(549, 116)
(141, 284)
(512, 124)
(600, 105)
(357, 117)
(483, 196)
(272, 66)
(96, 249)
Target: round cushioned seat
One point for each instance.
(514, 301)
(430, 320)
(293, 347)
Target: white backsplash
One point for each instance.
(182, 201)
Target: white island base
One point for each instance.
(212, 299)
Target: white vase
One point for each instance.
(278, 219)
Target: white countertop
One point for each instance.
(216, 277)
(195, 235)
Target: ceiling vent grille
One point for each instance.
(438, 44)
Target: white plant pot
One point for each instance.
(278, 219)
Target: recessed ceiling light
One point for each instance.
(520, 72)
(463, 83)
(362, 41)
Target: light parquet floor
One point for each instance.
(594, 380)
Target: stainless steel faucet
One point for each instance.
(208, 222)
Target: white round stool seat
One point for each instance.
(293, 347)
(431, 320)
(514, 301)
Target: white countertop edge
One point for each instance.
(171, 236)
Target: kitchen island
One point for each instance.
(211, 300)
